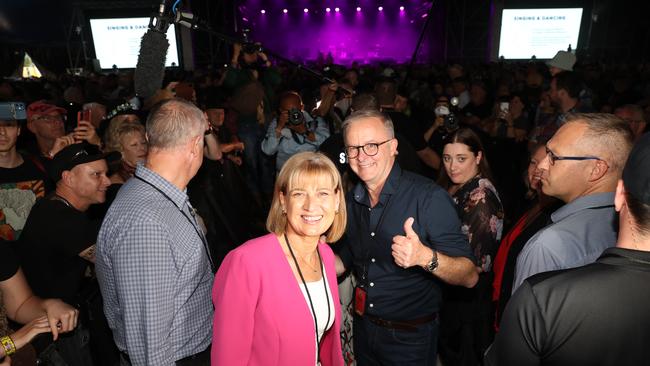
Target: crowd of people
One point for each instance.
(253, 215)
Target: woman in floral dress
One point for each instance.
(467, 314)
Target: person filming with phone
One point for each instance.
(293, 130)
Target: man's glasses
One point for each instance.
(553, 158)
(370, 149)
(47, 118)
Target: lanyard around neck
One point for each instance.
(192, 222)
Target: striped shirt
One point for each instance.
(154, 272)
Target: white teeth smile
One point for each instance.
(312, 218)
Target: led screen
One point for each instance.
(538, 32)
(117, 41)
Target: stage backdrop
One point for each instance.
(365, 31)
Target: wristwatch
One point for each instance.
(433, 263)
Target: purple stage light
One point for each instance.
(328, 10)
(285, 11)
(305, 10)
(263, 11)
(401, 8)
(337, 10)
(381, 8)
(358, 8)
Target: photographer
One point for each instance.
(511, 121)
(294, 130)
(444, 123)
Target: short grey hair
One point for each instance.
(174, 122)
(365, 114)
(607, 135)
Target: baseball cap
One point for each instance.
(636, 173)
(563, 60)
(76, 154)
(43, 107)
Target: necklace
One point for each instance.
(314, 269)
(311, 304)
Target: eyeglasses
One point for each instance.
(47, 118)
(370, 149)
(553, 158)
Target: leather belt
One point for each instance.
(205, 353)
(407, 325)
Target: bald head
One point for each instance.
(173, 123)
(290, 100)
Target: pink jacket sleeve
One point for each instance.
(234, 295)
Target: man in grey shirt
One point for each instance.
(153, 263)
(583, 163)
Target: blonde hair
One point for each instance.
(306, 165)
(117, 129)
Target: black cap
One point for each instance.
(75, 154)
(636, 174)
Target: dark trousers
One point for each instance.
(377, 345)
(199, 359)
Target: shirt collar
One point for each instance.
(360, 192)
(175, 195)
(583, 203)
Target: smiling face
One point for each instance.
(89, 181)
(534, 173)
(134, 147)
(461, 164)
(372, 170)
(310, 205)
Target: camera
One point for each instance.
(295, 117)
(10, 111)
(248, 46)
(450, 121)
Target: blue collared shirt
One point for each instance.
(154, 272)
(580, 232)
(289, 142)
(395, 293)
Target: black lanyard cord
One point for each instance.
(198, 232)
(311, 304)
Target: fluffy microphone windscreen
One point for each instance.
(150, 69)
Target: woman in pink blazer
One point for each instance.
(276, 297)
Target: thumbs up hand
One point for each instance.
(407, 249)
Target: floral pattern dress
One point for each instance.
(481, 214)
(466, 317)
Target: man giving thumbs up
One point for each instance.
(403, 237)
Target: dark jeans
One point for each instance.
(376, 345)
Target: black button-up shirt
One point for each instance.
(395, 293)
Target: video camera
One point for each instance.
(10, 111)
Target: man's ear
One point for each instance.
(30, 126)
(619, 196)
(598, 171)
(67, 177)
